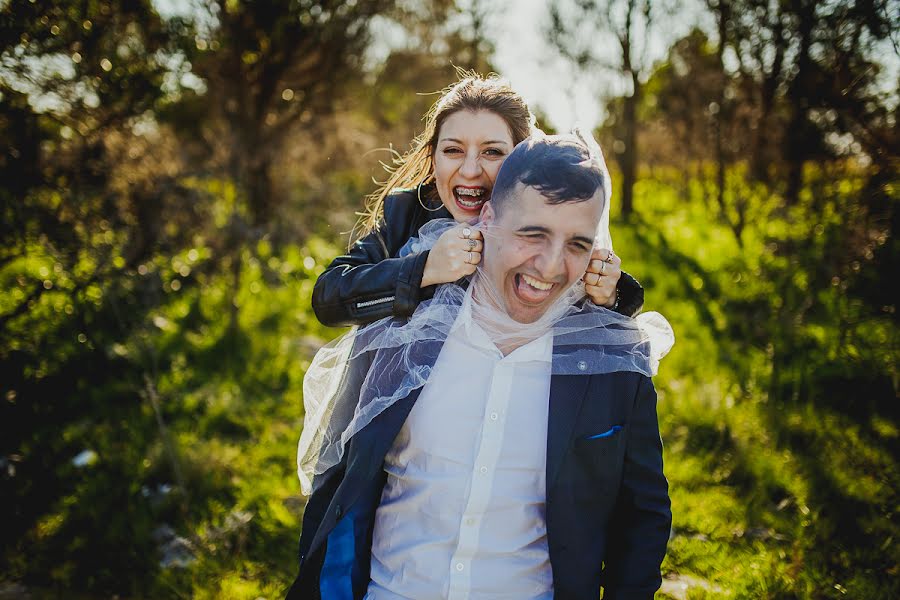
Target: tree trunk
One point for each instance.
(259, 193)
(718, 117)
(799, 92)
(762, 155)
(628, 159)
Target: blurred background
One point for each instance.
(176, 173)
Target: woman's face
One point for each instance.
(471, 146)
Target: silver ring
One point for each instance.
(466, 232)
(602, 266)
(469, 258)
(472, 243)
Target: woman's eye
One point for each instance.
(452, 150)
(494, 152)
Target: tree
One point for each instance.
(127, 133)
(692, 98)
(477, 48)
(270, 68)
(811, 72)
(574, 30)
(87, 201)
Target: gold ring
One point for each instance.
(609, 258)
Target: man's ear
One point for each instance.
(487, 213)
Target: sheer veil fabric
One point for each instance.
(397, 355)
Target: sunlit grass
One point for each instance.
(792, 496)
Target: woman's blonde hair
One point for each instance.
(472, 92)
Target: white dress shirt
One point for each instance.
(462, 512)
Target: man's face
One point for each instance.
(534, 251)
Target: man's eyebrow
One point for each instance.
(485, 143)
(533, 229)
(542, 229)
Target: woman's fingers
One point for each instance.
(600, 289)
(471, 242)
(469, 232)
(468, 249)
(598, 266)
(602, 261)
(601, 277)
(471, 259)
(472, 245)
(456, 254)
(601, 295)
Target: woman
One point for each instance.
(449, 173)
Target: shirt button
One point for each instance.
(483, 469)
(470, 521)
(459, 566)
(494, 416)
(582, 365)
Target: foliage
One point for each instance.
(778, 400)
(189, 425)
(160, 243)
(614, 36)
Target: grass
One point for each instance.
(774, 495)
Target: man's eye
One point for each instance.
(581, 248)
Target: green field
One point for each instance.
(777, 406)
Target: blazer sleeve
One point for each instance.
(642, 518)
(366, 284)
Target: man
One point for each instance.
(498, 478)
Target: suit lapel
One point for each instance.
(383, 434)
(566, 395)
(375, 439)
(366, 458)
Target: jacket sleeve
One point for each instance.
(631, 295)
(366, 284)
(643, 518)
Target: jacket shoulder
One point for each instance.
(403, 215)
(400, 203)
(629, 384)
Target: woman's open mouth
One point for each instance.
(471, 199)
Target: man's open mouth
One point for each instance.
(532, 290)
(471, 198)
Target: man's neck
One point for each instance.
(506, 334)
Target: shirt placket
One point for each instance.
(484, 471)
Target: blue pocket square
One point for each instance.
(615, 429)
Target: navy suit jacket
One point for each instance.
(607, 511)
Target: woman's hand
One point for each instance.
(455, 255)
(601, 277)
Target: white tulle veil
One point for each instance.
(397, 355)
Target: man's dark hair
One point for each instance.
(560, 167)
